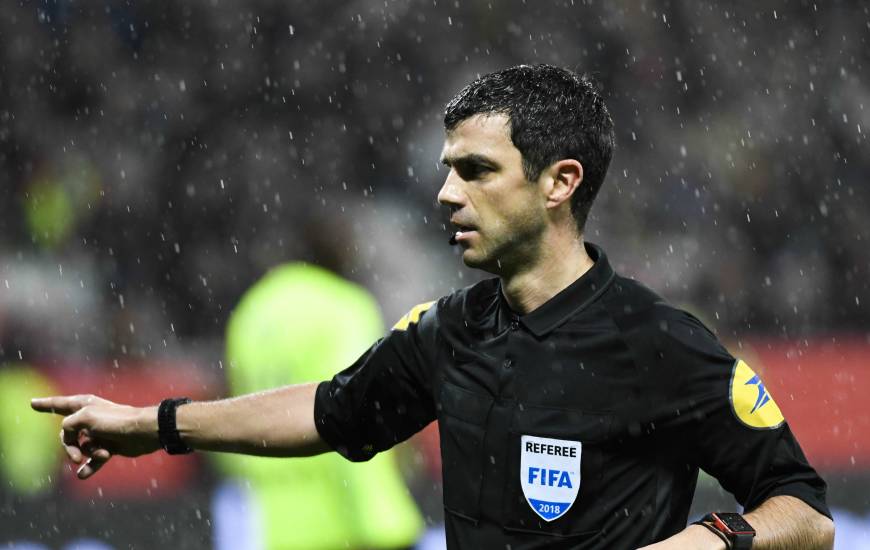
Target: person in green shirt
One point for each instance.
(301, 323)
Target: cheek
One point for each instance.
(523, 211)
(510, 207)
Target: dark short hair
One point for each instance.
(554, 114)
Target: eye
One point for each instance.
(472, 171)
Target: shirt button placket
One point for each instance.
(514, 326)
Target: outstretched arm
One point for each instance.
(781, 523)
(277, 422)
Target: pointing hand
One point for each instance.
(95, 429)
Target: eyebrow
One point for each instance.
(471, 158)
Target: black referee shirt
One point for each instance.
(580, 425)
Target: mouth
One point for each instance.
(462, 234)
(462, 230)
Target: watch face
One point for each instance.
(734, 522)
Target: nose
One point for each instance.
(451, 193)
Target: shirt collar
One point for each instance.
(570, 301)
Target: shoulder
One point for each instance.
(628, 298)
(645, 318)
(413, 315)
(468, 303)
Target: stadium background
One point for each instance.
(156, 160)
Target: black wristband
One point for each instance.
(715, 531)
(167, 430)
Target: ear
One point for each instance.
(562, 180)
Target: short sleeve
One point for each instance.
(726, 418)
(385, 396)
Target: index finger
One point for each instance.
(60, 404)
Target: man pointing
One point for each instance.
(557, 352)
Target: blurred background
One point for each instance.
(158, 159)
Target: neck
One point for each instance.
(552, 272)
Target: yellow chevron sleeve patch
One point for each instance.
(751, 402)
(412, 316)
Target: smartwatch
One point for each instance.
(730, 527)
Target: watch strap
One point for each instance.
(167, 429)
(715, 531)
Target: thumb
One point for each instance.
(75, 423)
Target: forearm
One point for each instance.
(695, 537)
(277, 422)
(785, 522)
(781, 523)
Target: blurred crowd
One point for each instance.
(158, 158)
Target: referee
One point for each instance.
(575, 406)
